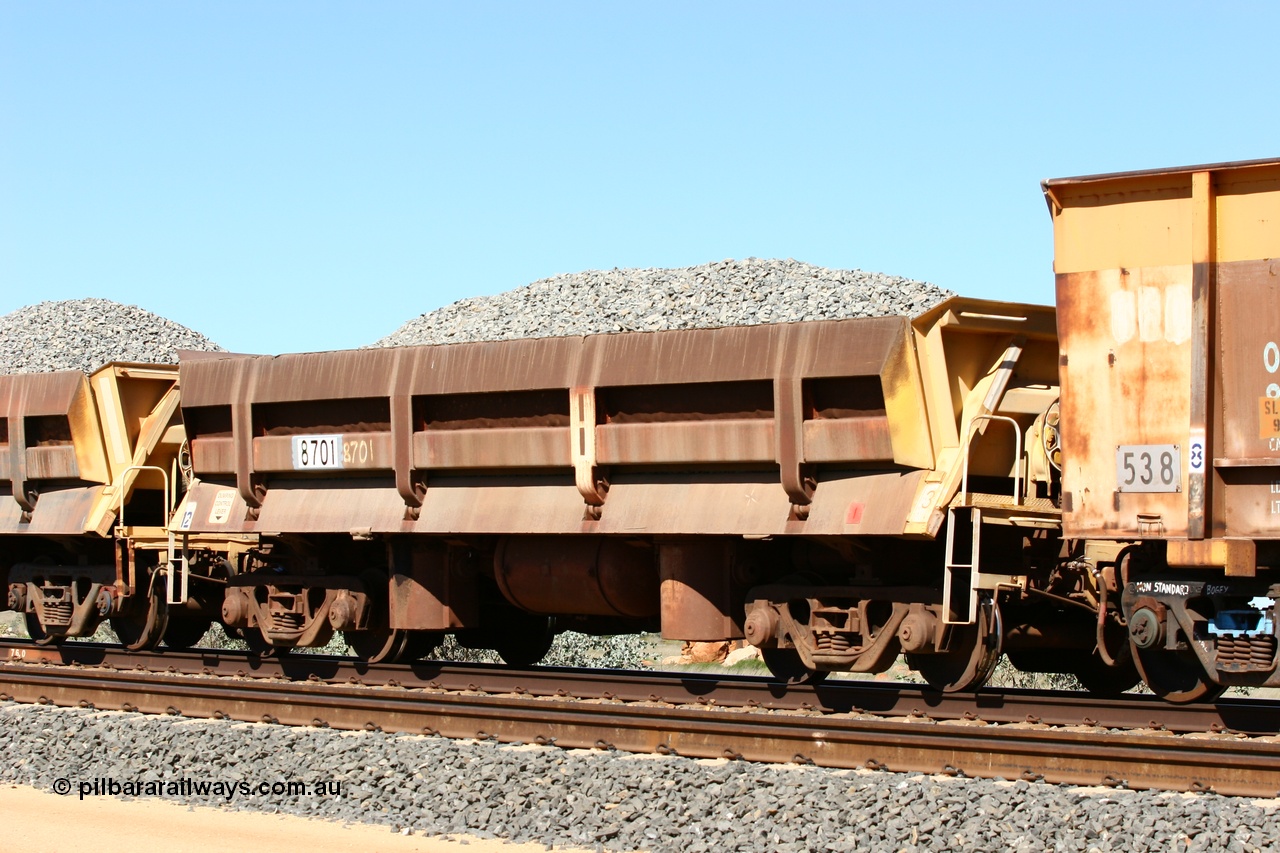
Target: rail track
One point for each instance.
(1137, 742)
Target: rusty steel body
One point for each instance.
(1168, 306)
(1088, 755)
(701, 432)
(583, 464)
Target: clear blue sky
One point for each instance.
(287, 176)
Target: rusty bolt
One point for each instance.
(916, 632)
(234, 612)
(761, 625)
(106, 602)
(1145, 629)
(343, 613)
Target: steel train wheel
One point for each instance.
(786, 667)
(524, 638)
(143, 626)
(975, 651)
(1102, 680)
(183, 632)
(1176, 676)
(420, 644)
(393, 645)
(377, 645)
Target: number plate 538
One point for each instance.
(1149, 468)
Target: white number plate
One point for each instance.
(1149, 468)
(317, 452)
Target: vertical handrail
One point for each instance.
(1017, 467)
(171, 595)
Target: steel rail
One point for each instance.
(1225, 764)
(887, 699)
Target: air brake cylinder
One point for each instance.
(580, 575)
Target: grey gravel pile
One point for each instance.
(727, 293)
(623, 651)
(88, 333)
(605, 800)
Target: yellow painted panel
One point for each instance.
(1128, 234)
(908, 415)
(86, 437)
(1249, 226)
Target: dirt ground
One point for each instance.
(42, 822)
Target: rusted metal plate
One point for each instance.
(865, 503)
(52, 431)
(213, 456)
(58, 512)
(215, 508)
(687, 442)
(332, 506)
(41, 394)
(699, 598)
(747, 503)
(594, 575)
(483, 368)
(530, 447)
(1126, 382)
(430, 589)
(861, 439)
(692, 355)
(1249, 353)
(357, 451)
(714, 503)
(535, 504)
(354, 374)
(52, 463)
(826, 348)
(1251, 501)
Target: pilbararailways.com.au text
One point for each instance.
(227, 791)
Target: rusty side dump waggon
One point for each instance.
(789, 483)
(1088, 490)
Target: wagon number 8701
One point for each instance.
(312, 452)
(1149, 468)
